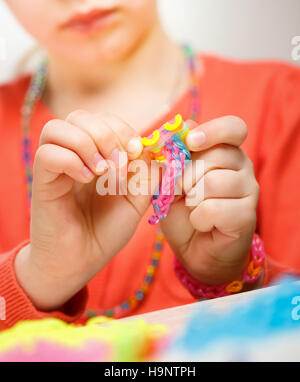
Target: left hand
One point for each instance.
(213, 238)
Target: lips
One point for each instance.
(90, 21)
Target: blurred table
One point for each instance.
(175, 318)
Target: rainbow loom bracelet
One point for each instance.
(167, 145)
(250, 275)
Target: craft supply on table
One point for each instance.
(52, 340)
(167, 145)
(260, 326)
(265, 327)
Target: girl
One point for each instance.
(113, 75)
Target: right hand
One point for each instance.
(74, 231)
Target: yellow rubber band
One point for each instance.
(150, 142)
(176, 125)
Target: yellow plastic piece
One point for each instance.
(176, 125)
(150, 142)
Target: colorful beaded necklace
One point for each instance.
(33, 95)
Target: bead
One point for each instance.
(148, 279)
(109, 313)
(26, 141)
(133, 302)
(125, 305)
(26, 155)
(145, 288)
(151, 270)
(158, 246)
(155, 262)
(140, 295)
(90, 314)
(156, 255)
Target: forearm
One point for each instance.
(16, 304)
(46, 293)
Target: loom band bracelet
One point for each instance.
(251, 274)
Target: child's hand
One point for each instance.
(74, 231)
(213, 238)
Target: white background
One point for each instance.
(250, 29)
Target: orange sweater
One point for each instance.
(266, 95)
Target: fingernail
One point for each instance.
(196, 139)
(119, 158)
(87, 173)
(134, 148)
(100, 164)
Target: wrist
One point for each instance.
(216, 270)
(250, 278)
(45, 292)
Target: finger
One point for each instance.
(52, 161)
(126, 134)
(105, 139)
(69, 136)
(230, 130)
(221, 184)
(220, 157)
(108, 142)
(229, 216)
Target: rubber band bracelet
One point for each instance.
(250, 275)
(167, 146)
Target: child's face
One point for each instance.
(87, 31)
